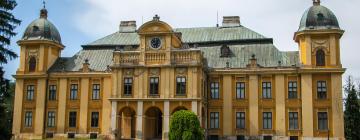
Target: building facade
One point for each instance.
(128, 84)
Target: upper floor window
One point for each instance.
(321, 89)
(28, 119)
(320, 58)
(266, 90)
(32, 64)
(96, 92)
(267, 120)
(154, 85)
(292, 90)
(30, 91)
(322, 121)
(128, 82)
(214, 90)
(214, 120)
(72, 119)
(240, 120)
(51, 119)
(73, 91)
(240, 90)
(293, 120)
(180, 85)
(94, 119)
(52, 92)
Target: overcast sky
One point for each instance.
(83, 21)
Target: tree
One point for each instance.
(352, 111)
(8, 22)
(185, 125)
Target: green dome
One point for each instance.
(42, 29)
(318, 17)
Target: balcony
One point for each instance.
(177, 57)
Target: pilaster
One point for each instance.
(337, 106)
(40, 107)
(19, 90)
(227, 105)
(280, 105)
(307, 105)
(254, 105)
(166, 120)
(84, 99)
(61, 106)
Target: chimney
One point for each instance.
(127, 26)
(231, 21)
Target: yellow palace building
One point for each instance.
(128, 84)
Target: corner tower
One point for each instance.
(318, 38)
(40, 45)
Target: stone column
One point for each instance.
(254, 105)
(139, 120)
(84, 98)
(166, 120)
(40, 108)
(18, 106)
(194, 107)
(113, 116)
(307, 106)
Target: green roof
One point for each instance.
(189, 35)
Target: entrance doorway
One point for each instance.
(126, 124)
(153, 124)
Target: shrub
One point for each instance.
(184, 125)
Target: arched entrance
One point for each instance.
(126, 124)
(153, 124)
(178, 109)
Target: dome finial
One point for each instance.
(43, 12)
(316, 2)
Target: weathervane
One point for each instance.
(44, 3)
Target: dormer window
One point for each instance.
(225, 51)
(320, 58)
(32, 64)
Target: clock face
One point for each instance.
(155, 43)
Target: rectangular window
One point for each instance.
(267, 138)
(28, 119)
(321, 89)
(293, 121)
(96, 92)
(73, 91)
(240, 120)
(52, 92)
(94, 119)
(240, 137)
(214, 120)
(72, 119)
(294, 138)
(240, 90)
(180, 85)
(266, 90)
(51, 119)
(322, 121)
(292, 90)
(267, 120)
(214, 90)
(30, 91)
(154, 85)
(128, 86)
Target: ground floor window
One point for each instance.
(294, 138)
(214, 120)
(267, 137)
(213, 137)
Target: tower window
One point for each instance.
(320, 58)
(32, 64)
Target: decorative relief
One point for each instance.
(320, 44)
(181, 71)
(33, 53)
(129, 72)
(154, 72)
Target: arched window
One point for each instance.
(225, 51)
(320, 58)
(32, 64)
